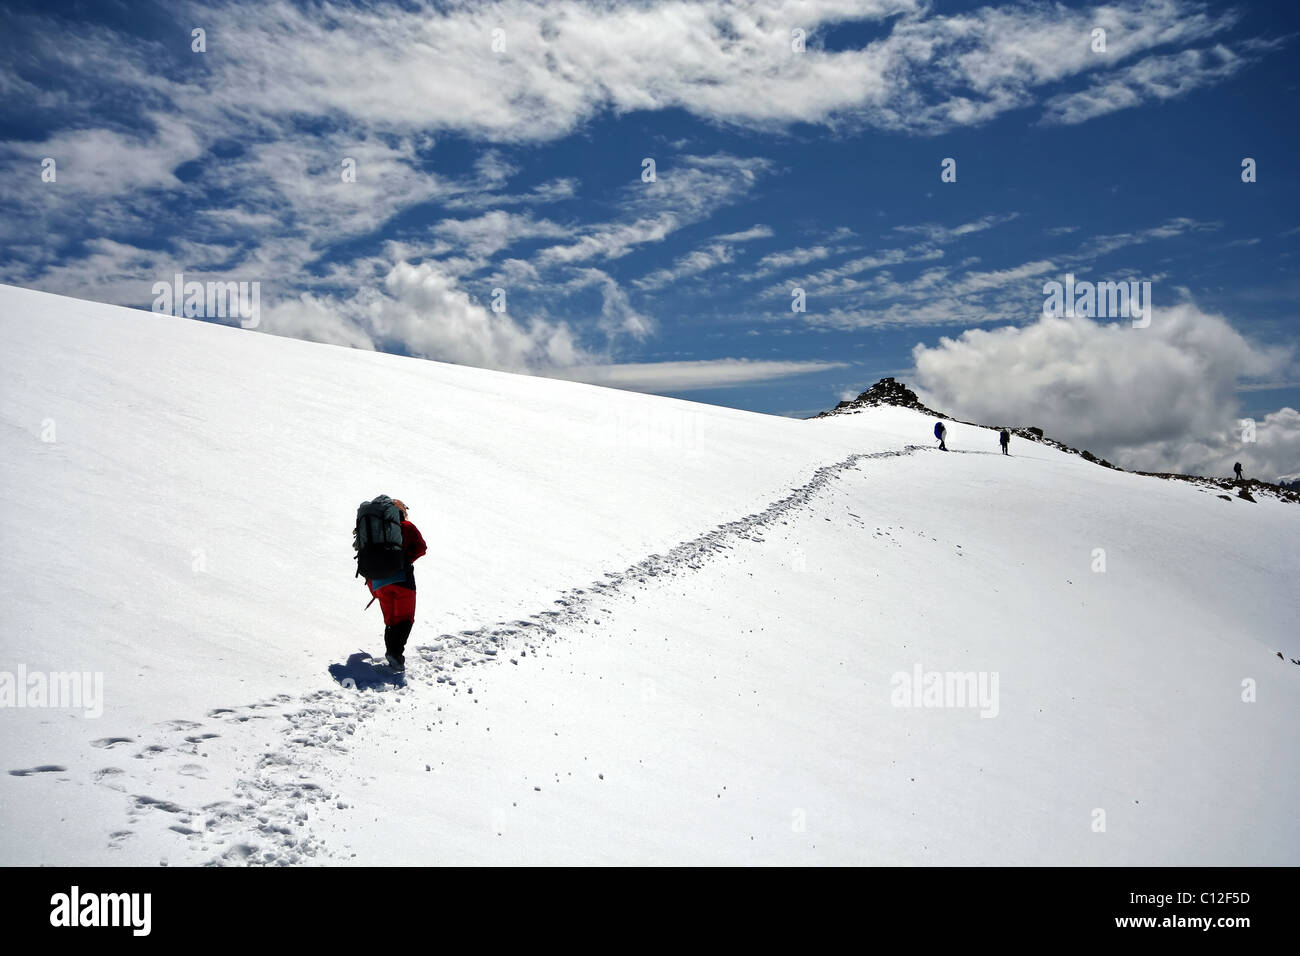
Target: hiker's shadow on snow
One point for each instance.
(360, 674)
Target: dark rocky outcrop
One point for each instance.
(887, 391)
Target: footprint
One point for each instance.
(44, 768)
(105, 743)
(240, 852)
(198, 738)
(165, 805)
(191, 770)
(110, 777)
(180, 724)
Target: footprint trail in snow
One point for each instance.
(282, 746)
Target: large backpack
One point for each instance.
(938, 429)
(377, 539)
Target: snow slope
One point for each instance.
(649, 631)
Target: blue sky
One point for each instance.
(521, 169)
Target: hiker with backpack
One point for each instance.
(387, 547)
(940, 432)
(1237, 469)
(1005, 439)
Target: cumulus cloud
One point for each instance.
(1149, 398)
(422, 311)
(1274, 453)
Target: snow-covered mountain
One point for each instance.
(648, 630)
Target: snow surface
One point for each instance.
(649, 631)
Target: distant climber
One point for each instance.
(387, 547)
(1005, 439)
(1237, 469)
(940, 432)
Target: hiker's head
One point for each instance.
(401, 507)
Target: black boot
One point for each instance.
(395, 637)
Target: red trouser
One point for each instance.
(397, 603)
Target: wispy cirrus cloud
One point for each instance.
(1099, 246)
(557, 65)
(747, 235)
(934, 232)
(692, 375)
(1154, 78)
(845, 297)
(692, 264)
(720, 251)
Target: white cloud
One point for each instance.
(486, 235)
(422, 311)
(611, 241)
(944, 234)
(1104, 245)
(687, 191)
(1154, 78)
(104, 162)
(837, 279)
(617, 316)
(553, 190)
(753, 232)
(1144, 397)
(980, 281)
(799, 256)
(429, 67)
(693, 263)
(1275, 452)
(688, 376)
